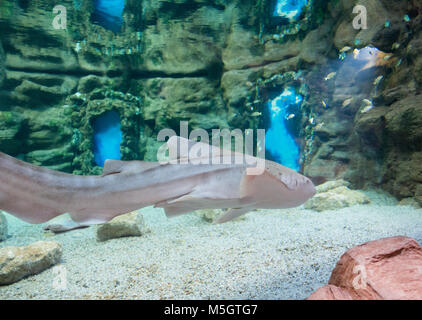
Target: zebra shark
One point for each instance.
(37, 195)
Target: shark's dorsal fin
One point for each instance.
(112, 167)
(179, 148)
(182, 148)
(117, 166)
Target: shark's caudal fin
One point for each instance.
(28, 192)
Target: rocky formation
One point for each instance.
(195, 60)
(386, 269)
(410, 202)
(216, 64)
(334, 195)
(374, 144)
(127, 225)
(3, 227)
(19, 262)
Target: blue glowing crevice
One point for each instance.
(279, 142)
(289, 9)
(107, 137)
(108, 14)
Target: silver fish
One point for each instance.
(378, 80)
(345, 49)
(330, 76)
(347, 102)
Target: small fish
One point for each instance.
(367, 109)
(290, 116)
(345, 49)
(78, 47)
(367, 102)
(319, 126)
(342, 56)
(249, 84)
(330, 76)
(312, 120)
(406, 18)
(395, 45)
(356, 53)
(256, 114)
(378, 80)
(387, 24)
(347, 102)
(324, 104)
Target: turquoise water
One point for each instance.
(107, 137)
(289, 9)
(108, 14)
(279, 141)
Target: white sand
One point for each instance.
(281, 254)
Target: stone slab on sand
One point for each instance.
(19, 262)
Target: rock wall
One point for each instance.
(381, 146)
(214, 63)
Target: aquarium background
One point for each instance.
(218, 64)
(340, 105)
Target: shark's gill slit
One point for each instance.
(108, 14)
(284, 117)
(107, 137)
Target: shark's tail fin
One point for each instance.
(30, 193)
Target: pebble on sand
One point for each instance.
(127, 225)
(335, 195)
(19, 262)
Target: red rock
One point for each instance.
(330, 293)
(386, 269)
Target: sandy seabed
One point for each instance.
(277, 254)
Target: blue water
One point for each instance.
(279, 142)
(289, 9)
(108, 14)
(107, 137)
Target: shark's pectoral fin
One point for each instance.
(179, 206)
(231, 214)
(64, 226)
(174, 211)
